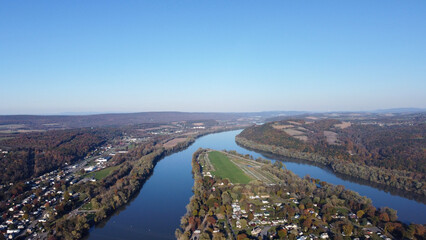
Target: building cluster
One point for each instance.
(263, 209)
(25, 211)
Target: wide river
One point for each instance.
(156, 211)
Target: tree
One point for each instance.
(371, 210)
(66, 196)
(243, 223)
(205, 236)
(409, 233)
(278, 164)
(392, 213)
(250, 216)
(218, 236)
(282, 233)
(347, 229)
(178, 233)
(241, 236)
(384, 217)
(183, 221)
(100, 214)
(360, 213)
(226, 199)
(307, 223)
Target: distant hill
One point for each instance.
(98, 120)
(120, 119)
(400, 110)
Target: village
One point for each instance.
(40, 197)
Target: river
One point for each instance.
(156, 211)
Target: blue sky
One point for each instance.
(131, 56)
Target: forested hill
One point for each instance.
(390, 150)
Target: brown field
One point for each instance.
(312, 118)
(12, 126)
(302, 137)
(198, 124)
(302, 129)
(10, 131)
(343, 125)
(190, 133)
(295, 123)
(293, 132)
(331, 137)
(279, 127)
(174, 142)
(156, 128)
(50, 124)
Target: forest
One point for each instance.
(391, 154)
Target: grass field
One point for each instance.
(224, 168)
(87, 206)
(101, 174)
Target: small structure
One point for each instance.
(90, 168)
(101, 160)
(324, 236)
(256, 231)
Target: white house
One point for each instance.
(101, 160)
(90, 168)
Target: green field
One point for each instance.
(87, 206)
(101, 174)
(224, 168)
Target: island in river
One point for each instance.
(237, 197)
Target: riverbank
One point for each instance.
(391, 178)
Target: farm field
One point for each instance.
(224, 168)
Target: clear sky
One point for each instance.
(131, 56)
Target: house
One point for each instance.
(101, 160)
(291, 226)
(256, 231)
(324, 236)
(90, 168)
